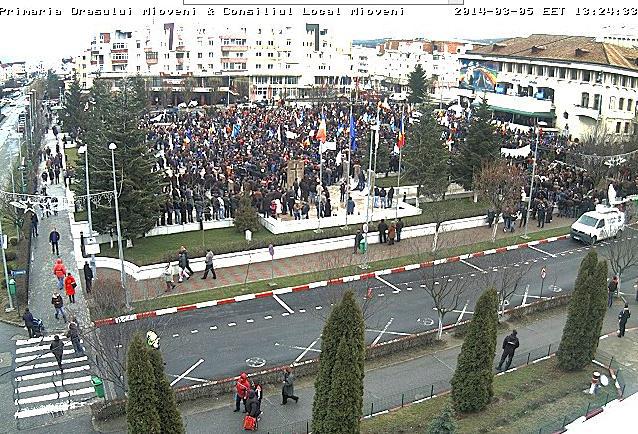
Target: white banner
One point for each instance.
(328, 146)
(291, 135)
(516, 153)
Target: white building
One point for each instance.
(573, 83)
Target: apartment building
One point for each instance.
(572, 83)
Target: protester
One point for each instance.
(288, 388)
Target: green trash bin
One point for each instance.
(362, 246)
(98, 386)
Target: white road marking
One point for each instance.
(381, 295)
(46, 355)
(194, 331)
(54, 396)
(61, 383)
(409, 288)
(385, 282)
(318, 307)
(462, 312)
(285, 314)
(213, 327)
(542, 251)
(39, 348)
(472, 265)
(232, 324)
(389, 333)
(188, 371)
(190, 378)
(281, 302)
(52, 373)
(305, 351)
(176, 335)
(250, 321)
(49, 409)
(50, 364)
(302, 310)
(382, 332)
(268, 317)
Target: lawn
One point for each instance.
(534, 397)
(151, 250)
(300, 279)
(72, 156)
(391, 181)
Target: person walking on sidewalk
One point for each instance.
(59, 271)
(383, 231)
(288, 388)
(54, 238)
(612, 288)
(69, 287)
(58, 304)
(28, 322)
(34, 224)
(74, 334)
(209, 264)
(400, 225)
(183, 265)
(168, 277)
(510, 344)
(241, 387)
(357, 241)
(392, 233)
(57, 348)
(623, 316)
(184, 252)
(88, 277)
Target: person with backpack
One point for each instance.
(623, 316)
(57, 348)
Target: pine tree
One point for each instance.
(73, 114)
(444, 423)
(417, 84)
(114, 118)
(481, 145)
(597, 305)
(574, 351)
(170, 418)
(472, 387)
(141, 406)
(246, 216)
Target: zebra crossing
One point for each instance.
(40, 388)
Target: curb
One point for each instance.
(309, 286)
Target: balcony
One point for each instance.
(119, 61)
(523, 105)
(588, 112)
(234, 48)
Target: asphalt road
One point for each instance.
(9, 138)
(222, 341)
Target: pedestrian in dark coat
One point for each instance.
(612, 287)
(57, 348)
(383, 231)
(623, 316)
(54, 239)
(399, 225)
(88, 277)
(288, 388)
(357, 240)
(74, 335)
(28, 322)
(510, 344)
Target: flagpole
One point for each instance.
(400, 154)
(349, 161)
(371, 179)
(320, 177)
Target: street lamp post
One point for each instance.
(85, 150)
(113, 147)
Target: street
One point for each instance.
(221, 341)
(9, 137)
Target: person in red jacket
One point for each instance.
(59, 270)
(69, 287)
(242, 386)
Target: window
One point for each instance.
(138, 46)
(510, 67)
(621, 103)
(258, 54)
(630, 105)
(261, 80)
(562, 72)
(519, 68)
(139, 68)
(584, 100)
(551, 71)
(289, 42)
(530, 69)
(627, 127)
(271, 54)
(211, 55)
(586, 75)
(210, 42)
(118, 45)
(597, 100)
(271, 43)
(258, 42)
(287, 66)
(614, 79)
(120, 56)
(291, 80)
(632, 82)
(623, 81)
(612, 103)
(617, 127)
(573, 74)
(257, 66)
(200, 55)
(270, 66)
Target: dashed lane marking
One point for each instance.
(232, 324)
(194, 331)
(250, 321)
(302, 310)
(213, 327)
(318, 307)
(285, 314)
(268, 317)
(176, 335)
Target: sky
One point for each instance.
(49, 38)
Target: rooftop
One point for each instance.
(582, 49)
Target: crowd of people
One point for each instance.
(209, 157)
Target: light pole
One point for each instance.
(85, 150)
(113, 147)
(531, 187)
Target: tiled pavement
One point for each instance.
(316, 262)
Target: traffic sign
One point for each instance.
(543, 273)
(271, 250)
(16, 273)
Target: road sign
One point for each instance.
(271, 250)
(16, 273)
(4, 240)
(543, 273)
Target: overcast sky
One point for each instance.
(49, 38)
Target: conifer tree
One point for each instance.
(472, 387)
(246, 216)
(444, 423)
(417, 84)
(170, 418)
(597, 306)
(73, 115)
(141, 406)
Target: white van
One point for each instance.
(605, 222)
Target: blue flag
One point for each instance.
(353, 134)
(236, 129)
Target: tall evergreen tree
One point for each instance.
(574, 350)
(141, 406)
(417, 84)
(472, 387)
(481, 145)
(169, 416)
(597, 305)
(114, 118)
(444, 423)
(73, 114)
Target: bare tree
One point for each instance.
(501, 184)
(507, 281)
(622, 254)
(188, 88)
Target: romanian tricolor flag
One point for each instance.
(321, 132)
(401, 138)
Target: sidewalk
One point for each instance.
(435, 368)
(317, 262)
(42, 282)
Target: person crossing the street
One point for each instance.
(57, 348)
